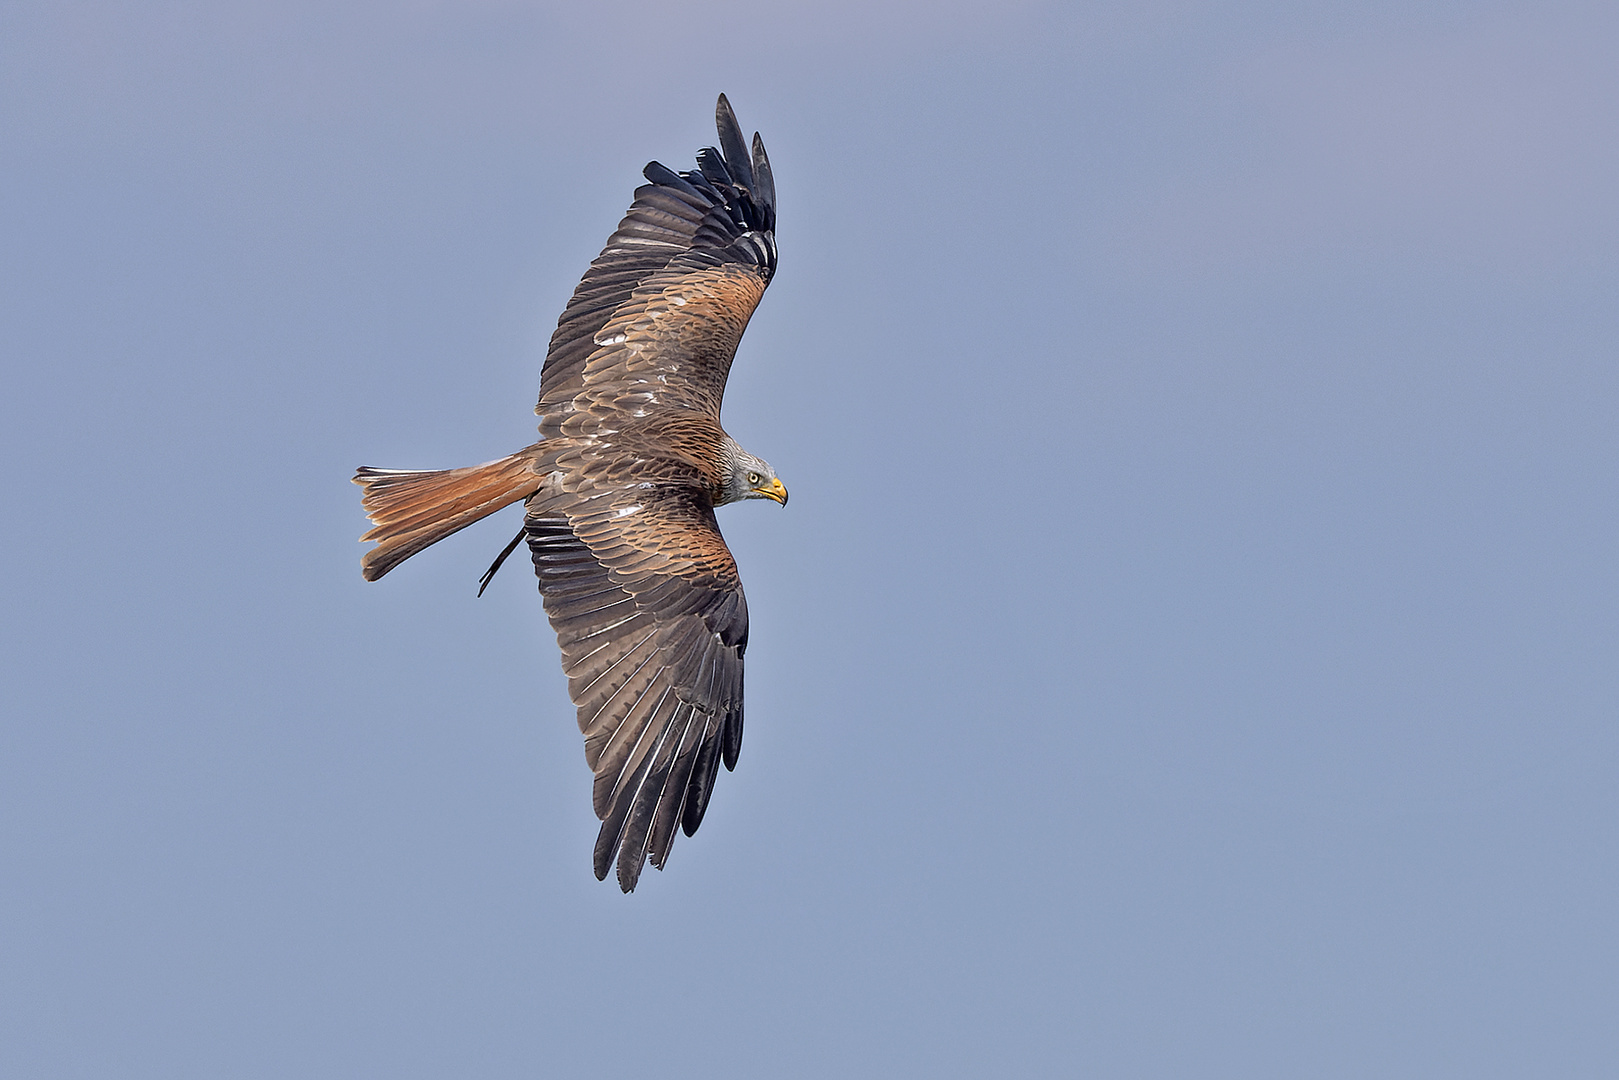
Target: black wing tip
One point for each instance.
(662, 175)
(629, 870)
(713, 167)
(746, 162)
(731, 739)
(735, 163)
(764, 180)
(731, 140)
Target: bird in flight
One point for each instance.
(619, 495)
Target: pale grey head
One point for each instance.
(749, 477)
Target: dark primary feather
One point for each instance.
(763, 178)
(732, 144)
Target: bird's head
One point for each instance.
(751, 477)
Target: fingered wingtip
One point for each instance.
(733, 147)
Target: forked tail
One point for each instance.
(414, 509)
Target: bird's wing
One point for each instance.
(656, 319)
(649, 612)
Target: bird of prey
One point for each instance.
(619, 494)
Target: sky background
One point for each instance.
(1190, 650)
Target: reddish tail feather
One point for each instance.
(412, 510)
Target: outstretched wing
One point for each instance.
(656, 319)
(649, 613)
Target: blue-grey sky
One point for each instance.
(1189, 651)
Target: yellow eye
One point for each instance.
(753, 479)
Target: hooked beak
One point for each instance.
(776, 490)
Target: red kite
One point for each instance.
(620, 491)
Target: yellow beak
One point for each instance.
(774, 490)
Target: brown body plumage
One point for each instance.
(620, 493)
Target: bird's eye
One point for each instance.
(753, 479)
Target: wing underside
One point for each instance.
(654, 665)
